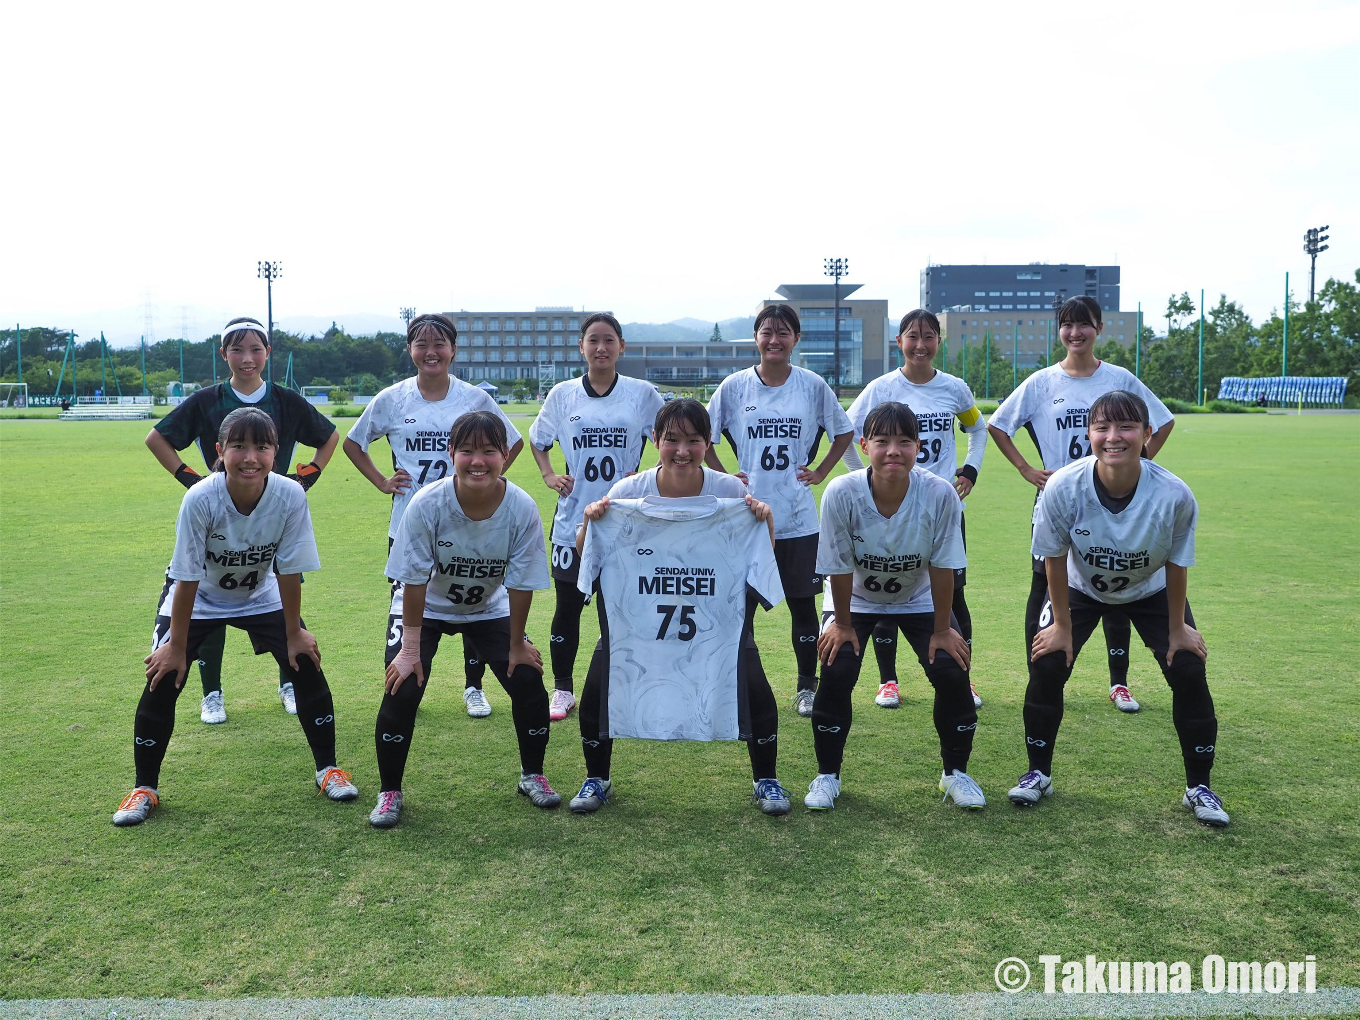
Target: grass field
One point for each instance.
(245, 883)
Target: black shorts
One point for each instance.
(915, 627)
(566, 563)
(796, 559)
(485, 640)
(1149, 615)
(268, 633)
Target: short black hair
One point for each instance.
(919, 315)
(478, 427)
(892, 418)
(1081, 309)
(1119, 405)
(241, 335)
(780, 313)
(683, 409)
(604, 317)
(442, 323)
(246, 424)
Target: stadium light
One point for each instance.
(269, 272)
(836, 268)
(1313, 246)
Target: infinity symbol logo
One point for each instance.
(145, 741)
(325, 719)
(389, 738)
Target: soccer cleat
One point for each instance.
(802, 702)
(977, 698)
(887, 696)
(536, 788)
(477, 705)
(212, 711)
(593, 796)
(288, 698)
(1033, 786)
(336, 783)
(1122, 699)
(1201, 800)
(822, 792)
(965, 791)
(385, 815)
(138, 804)
(771, 797)
(560, 705)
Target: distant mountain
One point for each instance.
(664, 332)
(696, 324)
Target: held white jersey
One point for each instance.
(775, 430)
(1119, 557)
(673, 574)
(890, 557)
(716, 483)
(1054, 407)
(936, 404)
(418, 432)
(234, 556)
(602, 437)
(468, 564)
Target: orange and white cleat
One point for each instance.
(136, 806)
(336, 783)
(977, 698)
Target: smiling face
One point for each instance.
(478, 463)
(681, 449)
(891, 455)
(247, 460)
(246, 355)
(1079, 337)
(431, 352)
(601, 346)
(775, 341)
(919, 343)
(1118, 443)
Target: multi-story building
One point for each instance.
(516, 345)
(1032, 337)
(866, 333)
(1031, 288)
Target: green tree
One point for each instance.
(716, 336)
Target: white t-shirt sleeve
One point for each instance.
(297, 545)
(527, 569)
(835, 544)
(372, 421)
(1183, 530)
(1016, 409)
(1053, 518)
(191, 536)
(723, 485)
(413, 553)
(543, 431)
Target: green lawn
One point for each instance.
(246, 883)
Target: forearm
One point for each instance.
(711, 460)
(361, 460)
(942, 596)
(834, 454)
(413, 607)
(326, 450)
(510, 459)
(977, 446)
(290, 594)
(1055, 569)
(1159, 438)
(841, 585)
(520, 601)
(1177, 582)
(1008, 449)
(581, 537)
(544, 462)
(850, 458)
(166, 455)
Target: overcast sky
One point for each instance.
(658, 159)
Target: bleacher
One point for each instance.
(106, 412)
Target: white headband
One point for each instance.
(233, 327)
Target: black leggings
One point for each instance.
(155, 720)
(565, 636)
(210, 662)
(1115, 623)
(474, 668)
(761, 744)
(955, 717)
(1192, 707)
(803, 613)
(885, 637)
(397, 713)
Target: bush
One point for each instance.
(340, 397)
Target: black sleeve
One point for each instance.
(187, 423)
(310, 426)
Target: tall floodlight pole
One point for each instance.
(407, 314)
(1284, 348)
(103, 375)
(1200, 387)
(143, 366)
(1312, 244)
(836, 268)
(269, 272)
(19, 351)
(1138, 345)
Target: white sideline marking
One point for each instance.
(981, 1005)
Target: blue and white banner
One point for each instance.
(1284, 389)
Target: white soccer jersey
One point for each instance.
(602, 437)
(936, 404)
(1119, 557)
(1055, 407)
(890, 557)
(234, 556)
(418, 432)
(468, 564)
(673, 576)
(774, 430)
(716, 483)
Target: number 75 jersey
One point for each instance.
(673, 575)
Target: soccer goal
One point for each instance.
(13, 394)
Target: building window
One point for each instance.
(574, 355)
(462, 355)
(479, 355)
(557, 338)
(542, 323)
(462, 325)
(493, 356)
(479, 341)
(559, 355)
(526, 340)
(541, 340)
(574, 324)
(476, 324)
(557, 323)
(509, 355)
(493, 341)
(493, 323)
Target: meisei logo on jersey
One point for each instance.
(428, 442)
(256, 555)
(607, 436)
(775, 428)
